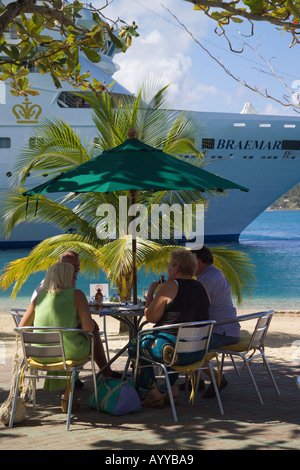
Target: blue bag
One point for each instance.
(117, 397)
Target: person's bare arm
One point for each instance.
(82, 307)
(28, 317)
(155, 308)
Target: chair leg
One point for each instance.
(216, 388)
(222, 363)
(186, 383)
(126, 368)
(105, 337)
(34, 390)
(71, 399)
(170, 393)
(253, 381)
(270, 373)
(134, 370)
(95, 387)
(234, 365)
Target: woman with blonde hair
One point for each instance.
(59, 304)
(180, 299)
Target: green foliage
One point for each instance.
(50, 39)
(283, 14)
(290, 200)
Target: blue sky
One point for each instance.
(164, 50)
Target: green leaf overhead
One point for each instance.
(49, 35)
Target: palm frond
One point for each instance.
(115, 258)
(54, 148)
(16, 210)
(43, 256)
(238, 268)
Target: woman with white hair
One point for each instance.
(59, 304)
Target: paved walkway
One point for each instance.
(246, 424)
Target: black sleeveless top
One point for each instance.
(190, 304)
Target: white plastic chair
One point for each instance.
(47, 342)
(251, 347)
(191, 337)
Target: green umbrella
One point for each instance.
(134, 166)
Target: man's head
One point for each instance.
(71, 257)
(205, 258)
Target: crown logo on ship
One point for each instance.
(26, 113)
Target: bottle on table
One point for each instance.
(98, 302)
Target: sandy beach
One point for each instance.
(283, 340)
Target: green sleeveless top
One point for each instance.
(57, 309)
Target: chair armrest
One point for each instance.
(248, 316)
(175, 325)
(53, 328)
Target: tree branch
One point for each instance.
(245, 14)
(265, 94)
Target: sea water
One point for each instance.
(272, 241)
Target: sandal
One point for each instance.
(65, 404)
(153, 403)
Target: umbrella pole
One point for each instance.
(134, 271)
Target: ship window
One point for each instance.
(35, 142)
(108, 49)
(5, 143)
(239, 124)
(292, 126)
(264, 125)
(208, 143)
(69, 100)
(290, 145)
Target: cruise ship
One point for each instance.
(260, 152)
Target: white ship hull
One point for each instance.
(259, 152)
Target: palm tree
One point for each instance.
(58, 149)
